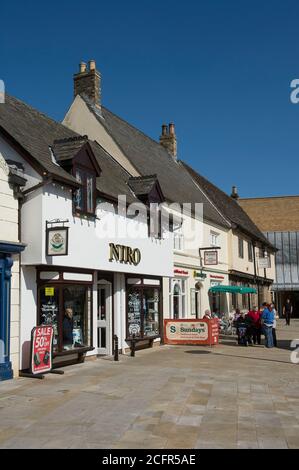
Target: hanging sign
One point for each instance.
(264, 263)
(57, 241)
(194, 332)
(211, 258)
(41, 349)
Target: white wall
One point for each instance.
(87, 248)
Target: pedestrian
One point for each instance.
(267, 319)
(276, 316)
(288, 311)
(256, 332)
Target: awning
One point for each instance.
(233, 290)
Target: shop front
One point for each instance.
(65, 301)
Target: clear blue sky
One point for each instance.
(220, 69)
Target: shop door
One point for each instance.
(104, 322)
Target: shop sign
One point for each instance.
(181, 272)
(199, 275)
(211, 258)
(124, 254)
(194, 332)
(264, 263)
(57, 241)
(41, 349)
(49, 291)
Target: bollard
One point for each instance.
(116, 357)
(133, 346)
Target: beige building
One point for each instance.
(278, 219)
(10, 181)
(224, 232)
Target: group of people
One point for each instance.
(258, 322)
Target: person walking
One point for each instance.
(267, 319)
(288, 311)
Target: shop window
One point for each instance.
(143, 306)
(85, 196)
(68, 309)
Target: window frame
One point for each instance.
(87, 173)
(241, 247)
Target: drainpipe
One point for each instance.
(256, 277)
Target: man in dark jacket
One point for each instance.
(288, 311)
(67, 327)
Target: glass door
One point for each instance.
(104, 315)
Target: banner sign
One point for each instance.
(193, 332)
(264, 263)
(41, 349)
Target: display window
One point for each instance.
(68, 308)
(177, 298)
(143, 308)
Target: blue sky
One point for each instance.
(220, 69)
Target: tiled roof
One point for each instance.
(148, 155)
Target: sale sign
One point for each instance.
(186, 332)
(41, 349)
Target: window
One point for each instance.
(178, 239)
(84, 197)
(143, 310)
(67, 307)
(154, 222)
(250, 251)
(214, 237)
(177, 297)
(241, 248)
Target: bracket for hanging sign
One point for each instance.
(50, 223)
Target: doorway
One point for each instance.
(104, 319)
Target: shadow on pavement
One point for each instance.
(198, 352)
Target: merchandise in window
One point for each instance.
(68, 310)
(143, 311)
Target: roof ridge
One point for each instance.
(139, 131)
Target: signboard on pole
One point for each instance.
(193, 332)
(211, 258)
(264, 263)
(41, 349)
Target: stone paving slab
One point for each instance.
(170, 397)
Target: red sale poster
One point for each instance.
(41, 352)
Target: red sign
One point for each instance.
(181, 271)
(41, 349)
(193, 332)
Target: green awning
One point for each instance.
(233, 289)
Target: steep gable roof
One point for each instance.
(34, 133)
(228, 206)
(147, 156)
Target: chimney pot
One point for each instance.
(168, 139)
(171, 129)
(92, 65)
(164, 129)
(234, 193)
(82, 67)
(88, 83)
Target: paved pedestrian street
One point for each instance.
(167, 397)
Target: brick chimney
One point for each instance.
(168, 139)
(234, 193)
(88, 82)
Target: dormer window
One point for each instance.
(85, 197)
(76, 156)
